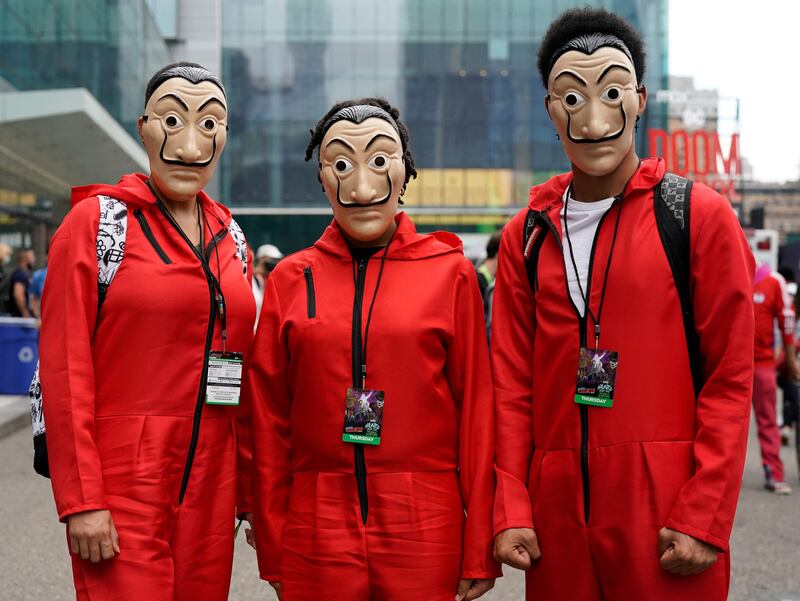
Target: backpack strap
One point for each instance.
(672, 202)
(241, 244)
(110, 245)
(532, 240)
(111, 234)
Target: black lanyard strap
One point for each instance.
(586, 301)
(369, 313)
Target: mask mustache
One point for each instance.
(596, 140)
(184, 163)
(357, 205)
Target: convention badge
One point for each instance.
(597, 374)
(363, 416)
(224, 378)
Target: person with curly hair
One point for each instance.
(622, 369)
(371, 392)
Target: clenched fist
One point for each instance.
(92, 535)
(517, 547)
(683, 554)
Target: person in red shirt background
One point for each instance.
(771, 303)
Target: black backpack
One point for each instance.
(671, 206)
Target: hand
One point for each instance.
(683, 554)
(278, 589)
(517, 547)
(92, 535)
(248, 532)
(469, 588)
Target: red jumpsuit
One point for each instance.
(124, 393)
(391, 524)
(771, 302)
(597, 484)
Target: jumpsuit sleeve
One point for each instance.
(470, 379)
(267, 392)
(784, 313)
(69, 313)
(512, 352)
(721, 280)
(244, 435)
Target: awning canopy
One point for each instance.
(55, 139)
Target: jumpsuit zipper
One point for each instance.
(583, 326)
(311, 301)
(358, 449)
(148, 233)
(198, 410)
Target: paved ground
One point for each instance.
(766, 540)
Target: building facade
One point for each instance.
(462, 72)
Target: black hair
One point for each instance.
(386, 111)
(191, 72)
(787, 272)
(586, 30)
(493, 245)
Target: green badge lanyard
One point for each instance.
(586, 304)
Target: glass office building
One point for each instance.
(109, 48)
(462, 72)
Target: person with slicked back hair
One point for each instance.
(371, 392)
(622, 326)
(148, 303)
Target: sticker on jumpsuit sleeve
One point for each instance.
(597, 374)
(363, 416)
(224, 378)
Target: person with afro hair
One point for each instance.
(621, 416)
(371, 392)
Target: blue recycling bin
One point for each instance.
(19, 353)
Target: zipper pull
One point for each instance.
(362, 264)
(363, 376)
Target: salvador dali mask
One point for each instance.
(362, 173)
(184, 130)
(594, 101)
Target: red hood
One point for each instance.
(132, 189)
(407, 244)
(550, 193)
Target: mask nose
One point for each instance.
(188, 151)
(363, 192)
(596, 125)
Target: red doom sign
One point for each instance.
(699, 155)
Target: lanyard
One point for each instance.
(369, 313)
(620, 197)
(216, 282)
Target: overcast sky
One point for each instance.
(749, 49)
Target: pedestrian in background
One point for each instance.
(267, 257)
(772, 305)
(16, 291)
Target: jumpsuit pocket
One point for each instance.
(534, 478)
(148, 233)
(311, 300)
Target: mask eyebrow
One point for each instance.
(609, 68)
(571, 74)
(180, 100)
(209, 101)
(341, 141)
(377, 136)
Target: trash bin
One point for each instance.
(19, 353)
